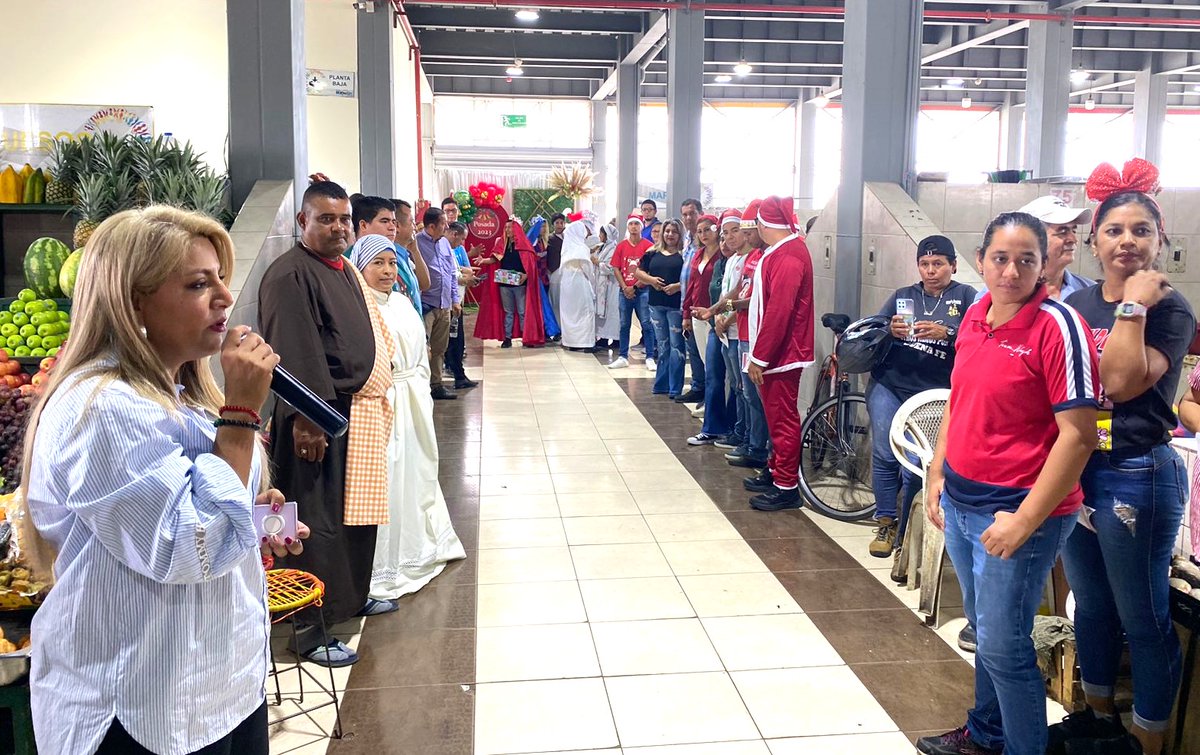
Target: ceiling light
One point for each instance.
(527, 15)
(1089, 104)
(515, 68)
(1196, 88)
(978, 82)
(966, 103)
(955, 83)
(1078, 77)
(820, 100)
(743, 68)
(723, 78)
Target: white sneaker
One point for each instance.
(698, 412)
(651, 366)
(619, 363)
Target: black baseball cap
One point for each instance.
(936, 245)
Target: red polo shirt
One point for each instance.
(745, 288)
(1007, 385)
(627, 257)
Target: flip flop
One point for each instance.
(334, 655)
(378, 607)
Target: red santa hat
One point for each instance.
(710, 218)
(776, 212)
(732, 215)
(636, 216)
(750, 214)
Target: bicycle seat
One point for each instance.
(835, 322)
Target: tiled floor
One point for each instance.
(620, 597)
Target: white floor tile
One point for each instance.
(614, 503)
(518, 565)
(712, 557)
(634, 599)
(573, 447)
(570, 714)
(516, 484)
(536, 506)
(630, 446)
(547, 651)
(527, 604)
(678, 709)
(588, 482)
(688, 527)
(679, 479)
(671, 646)
(835, 702)
(619, 561)
(754, 747)
(521, 533)
(892, 743)
(674, 502)
(494, 465)
(738, 595)
(594, 464)
(647, 462)
(602, 530)
(770, 642)
(511, 448)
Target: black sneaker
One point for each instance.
(966, 638)
(726, 444)
(465, 383)
(745, 462)
(777, 500)
(1083, 725)
(763, 483)
(691, 397)
(506, 344)
(1126, 744)
(957, 742)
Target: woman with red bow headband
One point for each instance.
(1118, 561)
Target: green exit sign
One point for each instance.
(513, 121)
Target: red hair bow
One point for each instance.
(574, 216)
(1138, 175)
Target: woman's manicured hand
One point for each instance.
(274, 546)
(247, 362)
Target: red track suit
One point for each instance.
(781, 342)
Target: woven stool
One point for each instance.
(289, 591)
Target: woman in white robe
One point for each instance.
(608, 293)
(577, 288)
(419, 540)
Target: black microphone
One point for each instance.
(313, 407)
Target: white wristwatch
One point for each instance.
(1128, 310)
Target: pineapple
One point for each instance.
(173, 188)
(112, 154)
(124, 192)
(150, 158)
(64, 166)
(207, 193)
(93, 201)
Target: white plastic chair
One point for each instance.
(914, 434)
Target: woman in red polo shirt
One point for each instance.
(1018, 430)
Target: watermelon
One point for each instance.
(43, 260)
(70, 269)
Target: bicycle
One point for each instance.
(835, 456)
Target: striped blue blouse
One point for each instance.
(159, 614)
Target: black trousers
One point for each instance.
(249, 738)
(456, 352)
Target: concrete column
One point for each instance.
(685, 104)
(1149, 112)
(881, 64)
(1012, 123)
(1047, 96)
(377, 162)
(268, 116)
(628, 101)
(600, 155)
(806, 148)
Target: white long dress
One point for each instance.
(608, 294)
(414, 547)
(577, 289)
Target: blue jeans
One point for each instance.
(1001, 597)
(512, 298)
(695, 359)
(719, 405)
(886, 472)
(733, 373)
(668, 337)
(641, 304)
(1119, 576)
(756, 419)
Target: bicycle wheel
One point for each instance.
(820, 395)
(835, 458)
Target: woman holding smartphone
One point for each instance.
(1017, 432)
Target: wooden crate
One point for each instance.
(1063, 685)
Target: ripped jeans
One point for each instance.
(1119, 576)
(668, 337)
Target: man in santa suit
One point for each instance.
(781, 346)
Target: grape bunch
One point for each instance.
(14, 414)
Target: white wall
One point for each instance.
(172, 56)
(331, 42)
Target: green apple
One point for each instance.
(20, 318)
(38, 352)
(45, 330)
(51, 342)
(5, 317)
(15, 341)
(24, 351)
(26, 295)
(28, 330)
(16, 306)
(34, 341)
(34, 307)
(50, 305)
(8, 329)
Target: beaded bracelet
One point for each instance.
(222, 422)
(242, 410)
